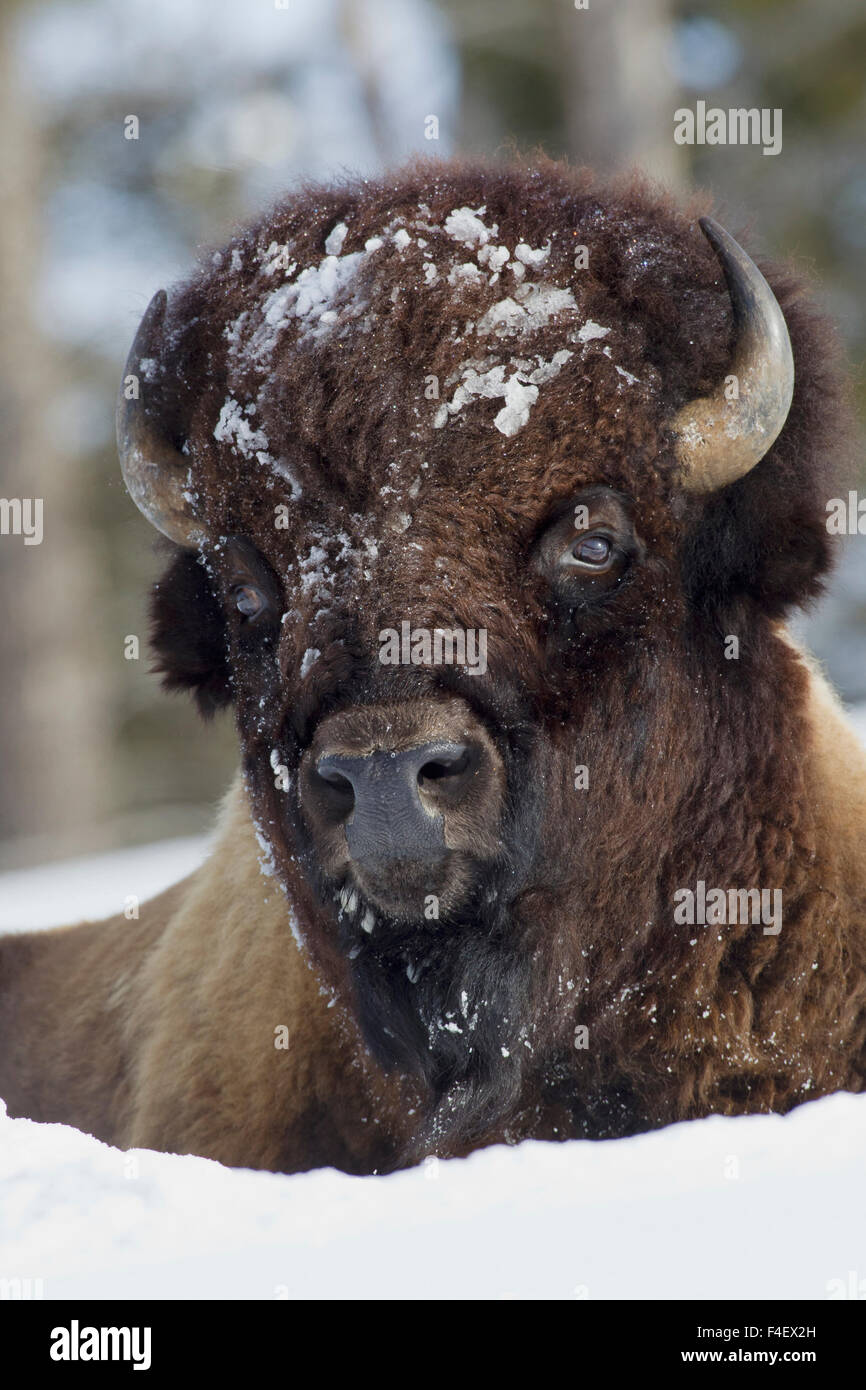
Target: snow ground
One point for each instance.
(96, 885)
(762, 1207)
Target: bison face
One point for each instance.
(459, 523)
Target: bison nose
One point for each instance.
(402, 797)
(392, 802)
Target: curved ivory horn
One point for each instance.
(719, 440)
(155, 472)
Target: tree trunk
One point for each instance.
(620, 94)
(54, 741)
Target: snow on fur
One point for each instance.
(324, 299)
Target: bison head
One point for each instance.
(472, 475)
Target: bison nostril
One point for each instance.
(336, 793)
(448, 777)
(450, 764)
(334, 779)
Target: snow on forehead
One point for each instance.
(322, 298)
(465, 225)
(335, 238)
(236, 429)
(486, 379)
(327, 299)
(532, 306)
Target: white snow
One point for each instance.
(530, 256)
(466, 271)
(335, 238)
(494, 257)
(308, 661)
(546, 371)
(311, 294)
(95, 885)
(234, 428)
(505, 316)
(267, 862)
(591, 330)
(519, 398)
(465, 226)
(276, 257)
(708, 1209)
(312, 566)
(317, 285)
(531, 306)
(478, 378)
(309, 298)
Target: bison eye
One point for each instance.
(249, 600)
(588, 547)
(591, 552)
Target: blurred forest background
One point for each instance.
(235, 99)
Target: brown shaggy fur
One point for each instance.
(740, 773)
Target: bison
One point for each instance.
(487, 492)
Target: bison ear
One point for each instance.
(188, 634)
(762, 541)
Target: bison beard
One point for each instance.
(470, 976)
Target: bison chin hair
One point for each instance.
(447, 1012)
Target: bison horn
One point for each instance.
(721, 439)
(154, 469)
